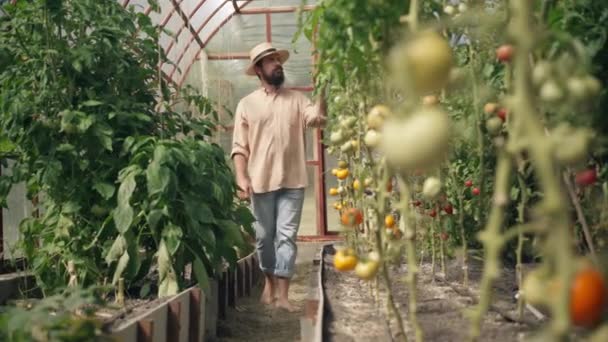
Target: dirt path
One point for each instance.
(252, 321)
(354, 314)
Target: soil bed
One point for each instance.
(353, 314)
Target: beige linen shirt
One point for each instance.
(269, 130)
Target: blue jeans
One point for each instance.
(277, 216)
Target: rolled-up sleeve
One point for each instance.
(312, 114)
(240, 136)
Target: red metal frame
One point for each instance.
(268, 28)
(198, 31)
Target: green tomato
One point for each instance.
(550, 92)
(372, 138)
(570, 145)
(336, 136)
(541, 72)
(431, 188)
(419, 141)
(494, 125)
(425, 61)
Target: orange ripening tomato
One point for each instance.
(352, 217)
(389, 221)
(588, 297)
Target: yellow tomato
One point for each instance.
(342, 174)
(356, 184)
(333, 191)
(334, 172)
(345, 260)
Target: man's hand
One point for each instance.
(242, 177)
(318, 121)
(244, 185)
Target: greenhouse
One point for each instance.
(308, 170)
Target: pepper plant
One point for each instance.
(125, 183)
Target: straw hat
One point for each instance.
(262, 50)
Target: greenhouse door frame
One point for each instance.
(319, 149)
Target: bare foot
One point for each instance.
(267, 298)
(285, 305)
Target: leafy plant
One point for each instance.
(65, 317)
(125, 183)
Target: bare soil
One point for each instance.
(353, 313)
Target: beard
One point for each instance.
(275, 78)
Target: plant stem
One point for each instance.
(433, 252)
(557, 249)
(384, 268)
(480, 136)
(412, 269)
(413, 15)
(492, 242)
(520, 243)
(463, 237)
(581, 217)
(441, 244)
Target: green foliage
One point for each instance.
(65, 317)
(126, 183)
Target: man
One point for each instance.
(268, 150)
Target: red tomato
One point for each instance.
(588, 298)
(448, 209)
(475, 191)
(586, 177)
(504, 53)
(468, 183)
(502, 114)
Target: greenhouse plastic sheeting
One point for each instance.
(221, 31)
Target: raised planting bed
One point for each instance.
(355, 310)
(189, 316)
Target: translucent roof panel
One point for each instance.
(239, 34)
(275, 3)
(213, 23)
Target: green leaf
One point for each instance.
(85, 123)
(125, 191)
(172, 236)
(234, 236)
(6, 145)
(123, 217)
(154, 217)
(118, 248)
(198, 210)
(91, 103)
(70, 207)
(200, 273)
(144, 291)
(158, 178)
(244, 216)
(65, 147)
(106, 190)
(120, 267)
